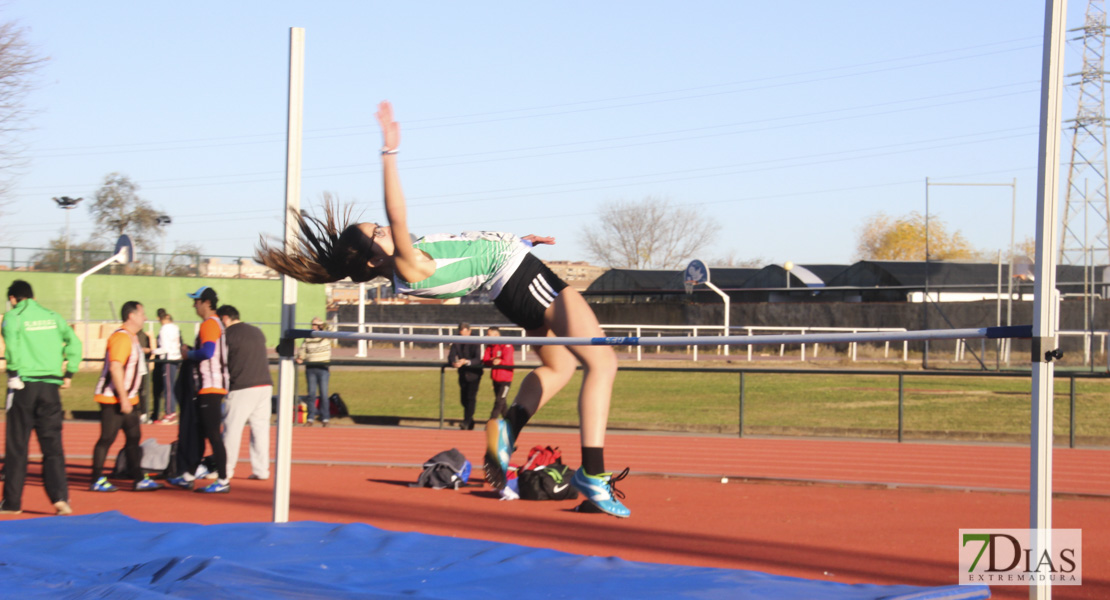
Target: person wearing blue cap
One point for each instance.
(209, 359)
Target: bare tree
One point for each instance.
(118, 209)
(184, 262)
(18, 64)
(732, 261)
(69, 257)
(649, 234)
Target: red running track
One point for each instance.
(774, 521)
(935, 465)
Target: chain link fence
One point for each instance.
(56, 260)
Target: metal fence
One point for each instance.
(174, 264)
(807, 350)
(742, 375)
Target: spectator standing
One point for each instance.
(499, 358)
(42, 355)
(146, 391)
(249, 394)
(209, 359)
(315, 355)
(169, 349)
(467, 358)
(117, 392)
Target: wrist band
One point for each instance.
(389, 150)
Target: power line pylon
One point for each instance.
(1086, 226)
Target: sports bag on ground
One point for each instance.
(547, 483)
(448, 469)
(155, 459)
(541, 456)
(337, 407)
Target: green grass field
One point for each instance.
(958, 408)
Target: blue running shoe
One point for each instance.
(147, 485)
(102, 485)
(499, 448)
(601, 491)
(214, 488)
(181, 482)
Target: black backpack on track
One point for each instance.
(551, 482)
(448, 469)
(337, 408)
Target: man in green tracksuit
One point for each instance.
(38, 343)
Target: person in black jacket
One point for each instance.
(467, 358)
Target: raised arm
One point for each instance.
(410, 263)
(536, 240)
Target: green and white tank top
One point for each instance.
(465, 263)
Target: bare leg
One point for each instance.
(568, 316)
(571, 316)
(545, 381)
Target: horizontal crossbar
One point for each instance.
(1016, 331)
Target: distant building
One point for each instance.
(578, 274)
(242, 268)
(341, 294)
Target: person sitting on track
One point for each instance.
(450, 266)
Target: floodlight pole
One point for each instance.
(286, 368)
(67, 204)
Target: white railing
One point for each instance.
(638, 331)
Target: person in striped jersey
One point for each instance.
(117, 392)
(209, 363)
(449, 266)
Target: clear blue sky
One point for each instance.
(787, 123)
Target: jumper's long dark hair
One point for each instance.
(326, 250)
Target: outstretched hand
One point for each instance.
(537, 240)
(391, 130)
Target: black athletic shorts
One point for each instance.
(528, 293)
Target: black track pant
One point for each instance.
(468, 397)
(210, 416)
(111, 421)
(37, 406)
(500, 399)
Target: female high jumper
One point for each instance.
(450, 266)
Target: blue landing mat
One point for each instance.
(109, 555)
